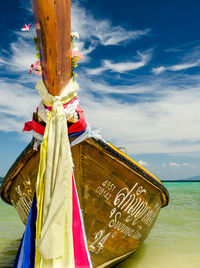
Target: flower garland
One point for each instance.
(76, 56)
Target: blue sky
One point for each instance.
(139, 80)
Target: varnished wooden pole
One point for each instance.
(53, 27)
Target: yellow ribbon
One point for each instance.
(54, 238)
(67, 94)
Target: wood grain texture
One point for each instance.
(53, 28)
(119, 202)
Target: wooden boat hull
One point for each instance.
(119, 199)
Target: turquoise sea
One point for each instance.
(174, 241)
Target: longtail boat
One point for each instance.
(119, 199)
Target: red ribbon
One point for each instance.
(76, 127)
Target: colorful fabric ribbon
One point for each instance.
(26, 253)
(54, 194)
(76, 128)
(58, 212)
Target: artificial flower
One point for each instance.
(36, 68)
(77, 54)
(26, 28)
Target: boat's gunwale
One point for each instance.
(28, 152)
(135, 167)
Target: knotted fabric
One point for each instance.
(54, 238)
(66, 95)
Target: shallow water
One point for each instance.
(174, 241)
(11, 230)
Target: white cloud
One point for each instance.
(99, 31)
(169, 123)
(92, 31)
(159, 70)
(21, 54)
(17, 103)
(109, 35)
(18, 95)
(181, 165)
(20, 57)
(180, 67)
(189, 60)
(177, 67)
(174, 164)
(2, 62)
(142, 163)
(27, 6)
(165, 120)
(95, 71)
(121, 67)
(186, 164)
(163, 165)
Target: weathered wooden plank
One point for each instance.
(119, 200)
(53, 28)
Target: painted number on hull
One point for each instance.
(110, 186)
(98, 244)
(106, 189)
